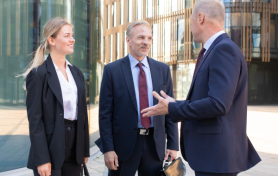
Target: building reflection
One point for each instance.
(21, 25)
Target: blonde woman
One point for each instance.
(56, 106)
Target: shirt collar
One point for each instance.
(134, 62)
(67, 63)
(211, 39)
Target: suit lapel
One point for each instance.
(128, 79)
(154, 75)
(53, 80)
(218, 39)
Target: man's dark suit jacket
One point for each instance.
(46, 117)
(213, 132)
(118, 116)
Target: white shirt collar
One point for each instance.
(134, 62)
(211, 39)
(67, 63)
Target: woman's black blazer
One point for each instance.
(46, 117)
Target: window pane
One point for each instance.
(108, 17)
(114, 14)
(184, 79)
(227, 25)
(111, 48)
(122, 12)
(187, 4)
(180, 39)
(154, 45)
(167, 42)
(174, 5)
(273, 31)
(117, 46)
(236, 28)
(139, 9)
(124, 44)
(161, 6)
(104, 51)
(256, 34)
(149, 8)
(130, 10)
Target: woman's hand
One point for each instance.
(45, 169)
(85, 160)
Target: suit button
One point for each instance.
(68, 128)
(135, 129)
(61, 114)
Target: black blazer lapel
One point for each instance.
(218, 39)
(128, 79)
(53, 80)
(154, 73)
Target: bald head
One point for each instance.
(213, 10)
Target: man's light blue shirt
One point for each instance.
(135, 74)
(211, 40)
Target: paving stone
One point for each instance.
(257, 129)
(261, 129)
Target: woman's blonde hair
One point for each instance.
(50, 29)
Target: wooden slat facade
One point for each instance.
(172, 14)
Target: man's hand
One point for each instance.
(161, 108)
(172, 153)
(45, 169)
(111, 160)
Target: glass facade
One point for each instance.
(21, 25)
(100, 34)
(17, 41)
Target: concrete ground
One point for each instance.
(262, 129)
(14, 135)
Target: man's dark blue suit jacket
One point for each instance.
(213, 131)
(118, 116)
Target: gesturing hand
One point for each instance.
(161, 108)
(111, 160)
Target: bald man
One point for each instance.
(213, 130)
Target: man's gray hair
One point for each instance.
(136, 23)
(214, 10)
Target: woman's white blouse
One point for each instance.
(69, 93)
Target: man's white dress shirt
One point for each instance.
(69, 93)
(211, 40)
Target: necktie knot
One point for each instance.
(140, 65)
(202, 52)
(200, 57)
